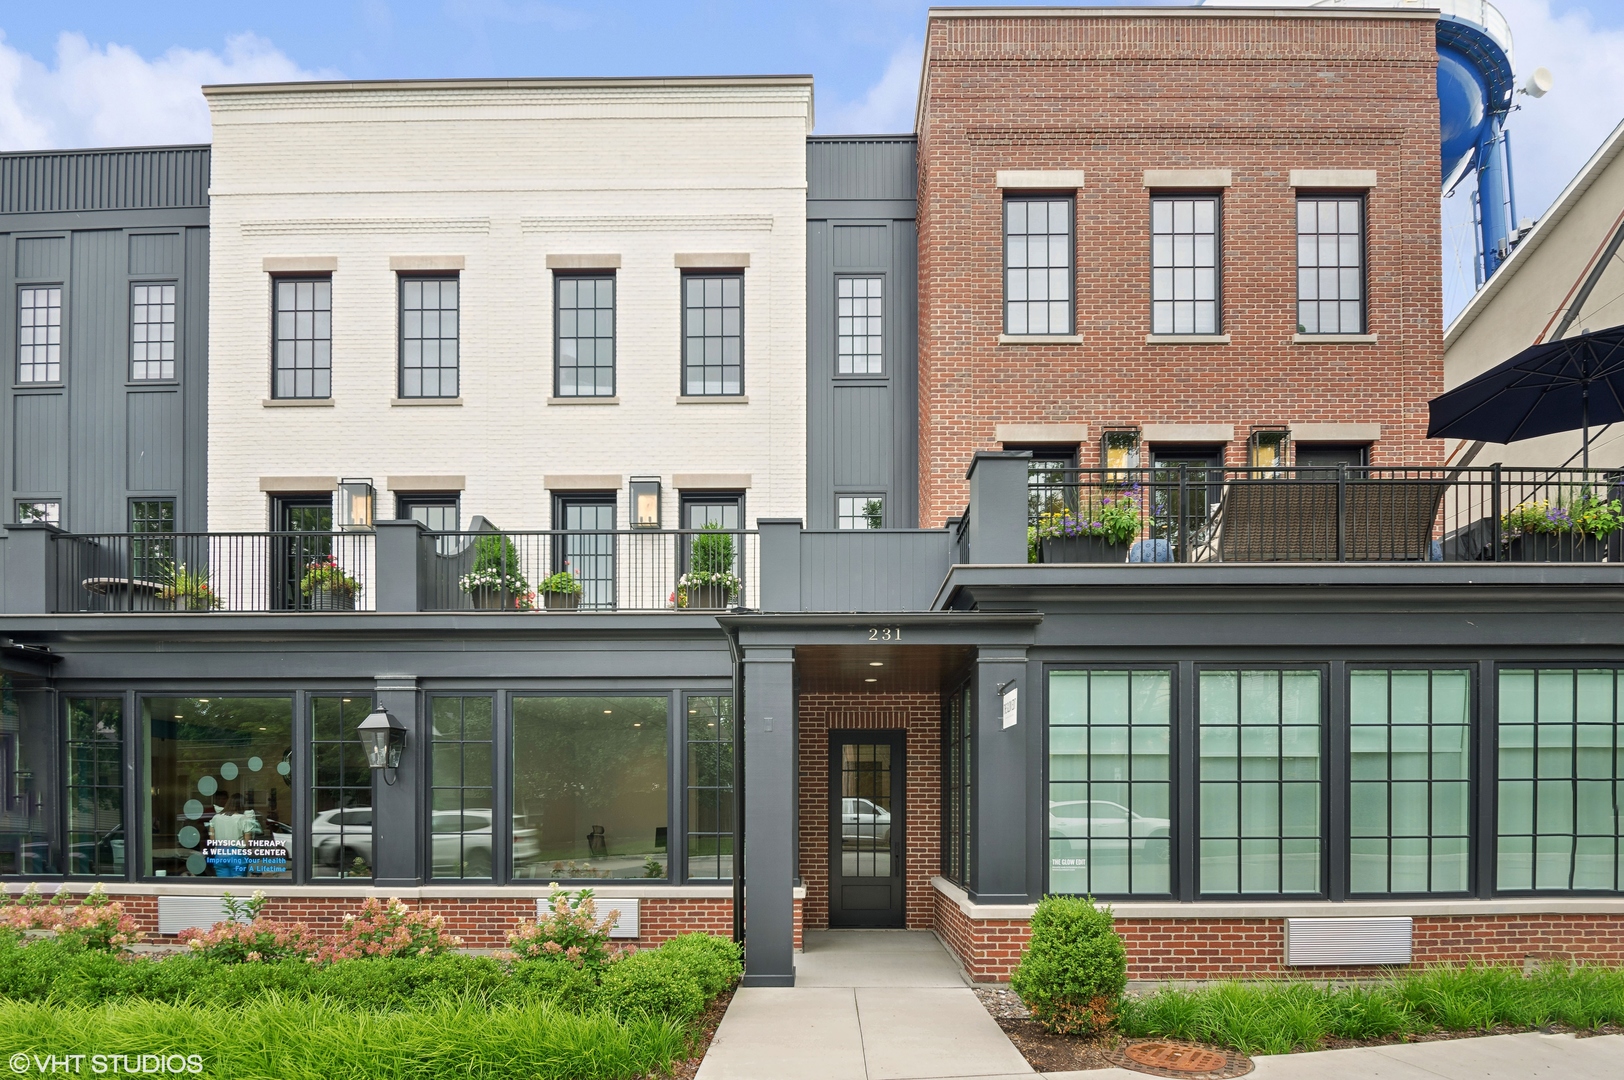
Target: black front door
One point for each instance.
(865, 829)
(292, 551)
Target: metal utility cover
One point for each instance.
(1351, 942)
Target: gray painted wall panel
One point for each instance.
(862, 437)
(871, 167)
(95, 368)
(862, 247)
(165, 176)
(192, 364)
(884, 570)
(40, 445)
(155, 253)
(42, 257)
(155, 441)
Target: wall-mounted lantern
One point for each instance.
(356, 501)
(384, 738)
(645, 502)
(1269, 449)
(1119, 448)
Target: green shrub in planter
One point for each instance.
(651, 983)
(1073, 973)
(713, 961)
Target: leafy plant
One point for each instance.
(654, 983)
(710, 563)
(570, 931)
(714, 961)
(562, 583)
(325, 574)
(245, 936)
(874, 513)
(1114, 517)
(496, 566)
(96, 923)
(194, 591)
(1586, 514)
(1074, 970)
(653, 868)
(391, 929)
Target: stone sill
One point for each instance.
(713, 399)
(297, 403)
(400, 402)
(584, 400)
(1040, 339)
(1333, 339)
(317, 890)
(1186, 339)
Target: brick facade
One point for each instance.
(920, 716)
(1114, 95)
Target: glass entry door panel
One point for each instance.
(866, 834)
(292, 552)
(589, 551)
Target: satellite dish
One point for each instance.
(1538, 84)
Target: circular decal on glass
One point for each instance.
(255, 764)
(193, 809)
(283, 767)
(196, 863)
(208, 785)
(189, 836)
(229, 770)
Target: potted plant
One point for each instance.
(710, 581)
(1100, 531)
(188, 591)
(1578, 531)
(561, 591)
(495, 583)
(327, 586)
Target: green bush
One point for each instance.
(713, 961)
(652, 983)
(1073, 972)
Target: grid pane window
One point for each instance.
(1330, 266)
(341, 789)
(39, 334)
(710, 787)
(713, 334)
(39, 512)
(1110, 782)
(95, 789)
(1038, 253)
(586, 336)
(302, 338)
(1561, 781)
(1184, 266)
(859, 511)
(1260, 783)
(1409, 788)
(428, 337)
(152, 332)
(461, 810)
(860, 325)
(959, 859)
(152, 523)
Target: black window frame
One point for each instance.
(1009, 199)
(277, 280)
(721, 497)
(724, 275)
(69, 787)
(1330, 195)
(867, 497)
(559, 277)
(728, 790)
(363, 702)
(402, 279)
(959, 754)
(151, 559)
(561, 554)
(1194, 195)
(497, 872)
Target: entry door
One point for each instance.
(866, 829)
(292, 553)
(589, 549)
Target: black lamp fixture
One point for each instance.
(384, 737)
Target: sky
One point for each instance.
(100, 73)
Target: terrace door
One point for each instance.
(866, 829)
(292, 552)
(589, 547)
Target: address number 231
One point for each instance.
(885, 633)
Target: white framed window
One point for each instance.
(39, 334)
(1038, 265)
(860, 325)
(1330, 265)
(152, 331)
(1184, 264)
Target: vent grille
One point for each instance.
(624, 927)
(1348, 942)
(177, 913)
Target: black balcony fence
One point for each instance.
(1190, 514)
(629, 570)
(200, 572)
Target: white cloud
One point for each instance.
(889, 104)
(110, 95)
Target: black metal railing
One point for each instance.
(629, 570)
(1343, 514)
(200, 572)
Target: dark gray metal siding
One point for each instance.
(95, 222)
(862, 431)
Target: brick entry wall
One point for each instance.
(1114, 95)
(920, 716)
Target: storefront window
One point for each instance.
(220, 788)
(1408, 790)
(461, 810)
(1110, 788)
(1260, 783)
(96, 841)
(25, 847)
(1561, 778)
(341, 789)
(590, 787)
(710, 787)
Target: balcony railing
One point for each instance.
(1344, 514)
(636, 570)
(200, 572)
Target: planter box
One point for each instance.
(331, 600)
(1083, 549)
(491, 600)
(707, 597)
(562, 601)
(1556, 547)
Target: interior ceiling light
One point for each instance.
(871, 680)
(876, 663)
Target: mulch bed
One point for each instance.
(709, 1020)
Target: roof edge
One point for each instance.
(1262, 11)
(68, 151)
(562, 83)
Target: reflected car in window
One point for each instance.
(461, 840)
(1099, 818)
(864, 824)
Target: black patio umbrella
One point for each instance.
(1565, 385)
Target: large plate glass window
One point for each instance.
(584, 315)
(302, 338)
(1330, 265)
(590, 787)
(220, 796)
(461, 812)
(710, 787)
(1561, 781)
(1409, 794)
(152, 331)
(39, 334)
(713, 334)
(860, 325)
(1110, 782)
(1038, 264)
(429, 333)
(1260, 783)
(25, 757)
(340, 789)
(1184, 264)
(97, 843)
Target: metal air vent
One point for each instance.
(1348, 942)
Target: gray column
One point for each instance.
(997, 532)
(780, 563)
(1000, 781)
(398, 583)
(28, 574)
(397, 808)
(769, 817)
